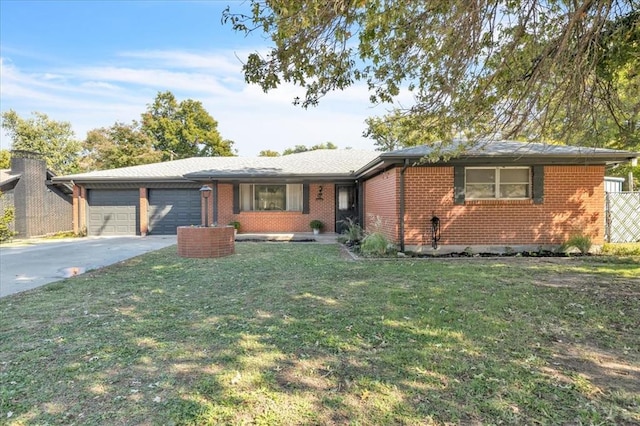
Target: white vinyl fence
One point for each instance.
(622, 217)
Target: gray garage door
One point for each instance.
(170, 208)
(113, 212)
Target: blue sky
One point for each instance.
(93, 63)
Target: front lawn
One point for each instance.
(298, 334)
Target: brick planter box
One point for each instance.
(205, 242)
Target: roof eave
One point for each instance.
(272, 177)
(11, 179)
(118, 179)
(593, 158)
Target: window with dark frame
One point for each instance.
(487, 183)
(271, 197)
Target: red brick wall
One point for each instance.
(279, 221)
(382, 203)
(573, 201)
(199, 242)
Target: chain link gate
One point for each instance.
(622, 217)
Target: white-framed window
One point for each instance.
(270, 197)
(482, 183)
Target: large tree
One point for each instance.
(268, 153)
(54, 140)
(530, 69)
(396, 131)
(184, 129)
(120, 145)
(303, 148)
(5, 159)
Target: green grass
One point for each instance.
(295, 334)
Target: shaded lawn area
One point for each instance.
(297, 334)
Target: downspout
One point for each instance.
(404, 168)
(214, 184)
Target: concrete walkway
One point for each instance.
(27, 264)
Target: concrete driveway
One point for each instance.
(28, 264)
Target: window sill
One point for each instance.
(501, 201)
(270, 212)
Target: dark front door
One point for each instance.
(346, 207)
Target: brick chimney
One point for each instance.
(29, 193)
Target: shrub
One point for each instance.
(580, 242)
(353, 233)
(5, 224)
(235, 224)
(375, 244)
(622, 249)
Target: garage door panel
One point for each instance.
(124, 216)
(170, 208)
(113, 212)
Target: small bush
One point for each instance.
(375, 244)
(62, 234)
(580, 242)
(622, 249)
(5, 223)
(354, 232)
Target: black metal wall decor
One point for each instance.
(435, 231)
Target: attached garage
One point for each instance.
(170, 208)
(113, 211)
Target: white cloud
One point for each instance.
(90, 95)
(217, 62)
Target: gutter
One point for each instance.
(569, 159)
(347, 177)
(114, 179)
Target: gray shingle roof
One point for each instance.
(325, 162)
(500, 148)
(462, 152)
(337, 163)
(320, 163)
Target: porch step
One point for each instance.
(293, 237)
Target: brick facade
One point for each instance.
(573, 202)
(196, 242)
(281, 221)
(381, 209)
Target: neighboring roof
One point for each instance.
(7, 177)
(326, 163)
(493, 152)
